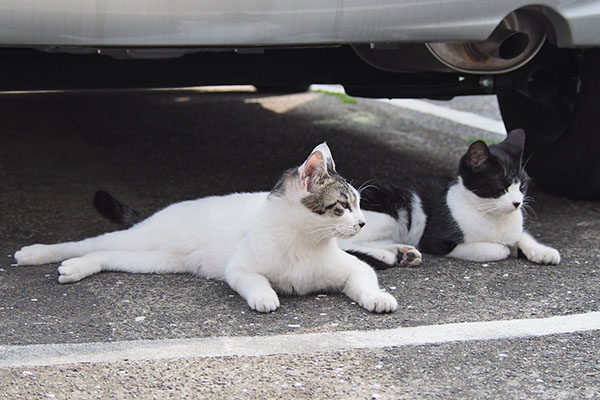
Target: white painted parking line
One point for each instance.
(461, 117)
(56, 354)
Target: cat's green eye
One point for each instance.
(345, 204)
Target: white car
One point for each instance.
(540, 58)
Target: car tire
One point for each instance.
(556, 99)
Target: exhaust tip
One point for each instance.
(513, 46)
(513, 43)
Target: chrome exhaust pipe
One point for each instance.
(512, 44)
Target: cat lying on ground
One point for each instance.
(476, 216)
(259, 243)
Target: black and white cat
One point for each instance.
(476, 216)
(258, 243)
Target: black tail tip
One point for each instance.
(103, 202)
(108, 206)
(114, 210)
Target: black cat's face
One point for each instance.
(495, 173)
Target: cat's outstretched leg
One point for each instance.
(362, 286)
(38, 254)
(537, 252)
(480, 251)
(387, 252)
(144, 262)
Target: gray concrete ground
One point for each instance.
(154, 148)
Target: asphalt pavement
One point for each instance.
(116, 335)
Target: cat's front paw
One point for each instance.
(75, 269)
(409, 256)
(542, 254)
(36, 254)
(264, 302)
(378, 302)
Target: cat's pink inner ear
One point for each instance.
(478, 154)
(313, 168)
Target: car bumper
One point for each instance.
(218, 23)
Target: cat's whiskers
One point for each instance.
(365, 185)
(523, 165)
(527, 211)
(488, 208)
(321, 233)
(345, 231)
(527, 208)
(360, 190)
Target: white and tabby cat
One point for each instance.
(259, 243)
(476, 216)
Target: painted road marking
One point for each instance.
(56, 354)
(461, 117)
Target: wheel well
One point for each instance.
(555, 25)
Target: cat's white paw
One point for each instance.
(75, 269)
(409, 256)
(480, 251)
(498, 252)
(389, 257)
(264, 302)
(36, 254)
(378, 302)
(542, 254)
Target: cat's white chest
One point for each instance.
(480, 226)
(301, 277)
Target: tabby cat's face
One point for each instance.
(335, 206)
(322, 199)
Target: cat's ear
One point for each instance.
(516, 137)
(477, 155)
(316, 166)
(514, 142)
(324, 150)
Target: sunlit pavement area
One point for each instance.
(143, 336)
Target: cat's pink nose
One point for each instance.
(516, 204)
